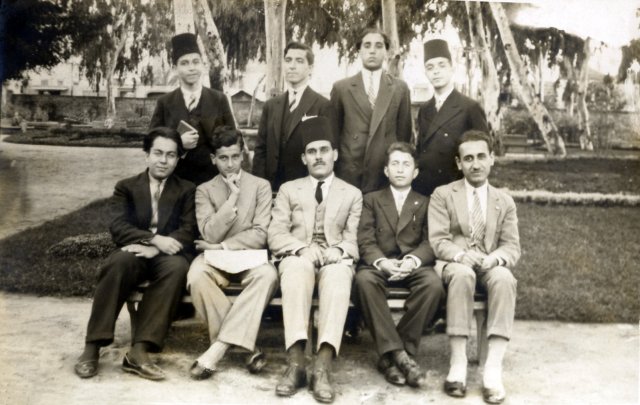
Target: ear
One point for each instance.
(415, 173)
(386, 171)
(213, 158)
(335, 155)
(458, 163)
(304, 159)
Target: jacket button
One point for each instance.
(446, 134)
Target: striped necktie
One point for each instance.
(192, 103)
(477, 222)
(371, 91)
(293, 101)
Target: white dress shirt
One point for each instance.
(324, 187)
(298, 96)
(188, 95)
(441, 98)
(366, 77)
(482, 195)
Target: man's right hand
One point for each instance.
(472, 259)
(166, 244)
(190, 139)
(313, 253)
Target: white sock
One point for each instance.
(458, 362)
(213, 355)
(492, 373)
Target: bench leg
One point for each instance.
(133, 313)
(481, 338)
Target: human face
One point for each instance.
(162, 158)
(228, 159)
(319, 158)
(296, 67)
(439, 72)
(372, 51)
(475, 161)
(401, 169)
(189, 68)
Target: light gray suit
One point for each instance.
(450, 233)
(291, 229)
(237, 228)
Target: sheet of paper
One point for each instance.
(235, 261)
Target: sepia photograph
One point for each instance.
(319, 201)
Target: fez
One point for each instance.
(316, 129)
(184, 44)
(436, 48)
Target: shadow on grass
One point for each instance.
(578, 263)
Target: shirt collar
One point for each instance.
(225, 179)
(443, 97)
(482, 190)
(327, 181)
(397, 193)
(298, 91)
(153, 181)
(195, 93)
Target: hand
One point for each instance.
(166, 244)
(313, 253)
(408, 264)
(203, 245)
(234, 183)
(190, 139)
(472, 259)
(388, 266)
(489, 262)
(138, 250)
(332, 255)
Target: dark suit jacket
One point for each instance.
(383, 233)
(131, 206)
(438, 132)
(272, 133)
(365, 134)
(214, 111)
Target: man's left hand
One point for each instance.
(489, 262)
(332, 255)
(138, 250)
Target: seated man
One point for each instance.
(233, 211)
(395, 251)
(313, 230)
(154, 227)
(473, 229)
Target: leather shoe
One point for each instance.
(256, 361)
(199, 372)
(86, 368)
(455, 389)
(493, 395)
(294, 377)
(321, 385)
(150, 371)
(391, 372)
(412, 372)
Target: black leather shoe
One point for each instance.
(391, 372)
(455, 389)
(86, 368)
(294, 377)
(256, 361)
(149, 370)
(321, 385)
(493, 395)
(199, 372)
(411, 370)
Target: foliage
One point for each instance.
(630, 53)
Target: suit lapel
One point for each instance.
(178, 100)
(389, 208)
(429, 115)
(493, 212)
(334, 202)
(359, 95)
(409, 207)
(308, 201)
(306, 101)
(247, 193)
(385, 94)
(278, 107)
(166, 203)
(142, 200)
(449, 109)
(462, 208)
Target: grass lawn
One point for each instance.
(578, 263)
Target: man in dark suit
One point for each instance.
(373, 110)
(395, 251)
(200, 107)
(154, 226)
(279, 143)
(442, 120)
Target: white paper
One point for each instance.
(235, 261)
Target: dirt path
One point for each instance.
(552, 363)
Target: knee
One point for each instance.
(501, 276)
(365, 279)
(118, 264)
(460, 273)
(341, 274)
(295, 272)
(266, 274)
(179, 267)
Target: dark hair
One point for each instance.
(373, 30)
(474, 135)
(404, 147)
(162, 132)
(304, 47)
(224, 136)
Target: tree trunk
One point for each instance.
(183, 16)
(112, 60)
(538, 111)
(586, 142)
(253, 102)
(274, 17)
(212, 44)
(390, 27)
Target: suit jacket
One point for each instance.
(214, 111)
(365, 134)
(383, 233)
(131, 206)
(273, 132)
(438, 132)
(293, 217)
(243, 228)
(450, 229)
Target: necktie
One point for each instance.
(292, 102)
(154, 206)
(477, 222)
(438, 104)
(192, 103)
(371, 91)
(319, 192)
(399, 203)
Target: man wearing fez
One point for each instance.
(442, 120)
(473, 229)
(314, 232)
(154, 226)
(193, 110)
(279, 142)
(395, 251)
(233, 212)
(372, 110)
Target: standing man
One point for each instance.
(203, 109)
(313, 230)
(279, 142)
(442, 121)
(394, 245)
(373, 110)
(233, 212)
(154, 226)
(473, 229)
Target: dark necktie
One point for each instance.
(292, 102)
(319, 192)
